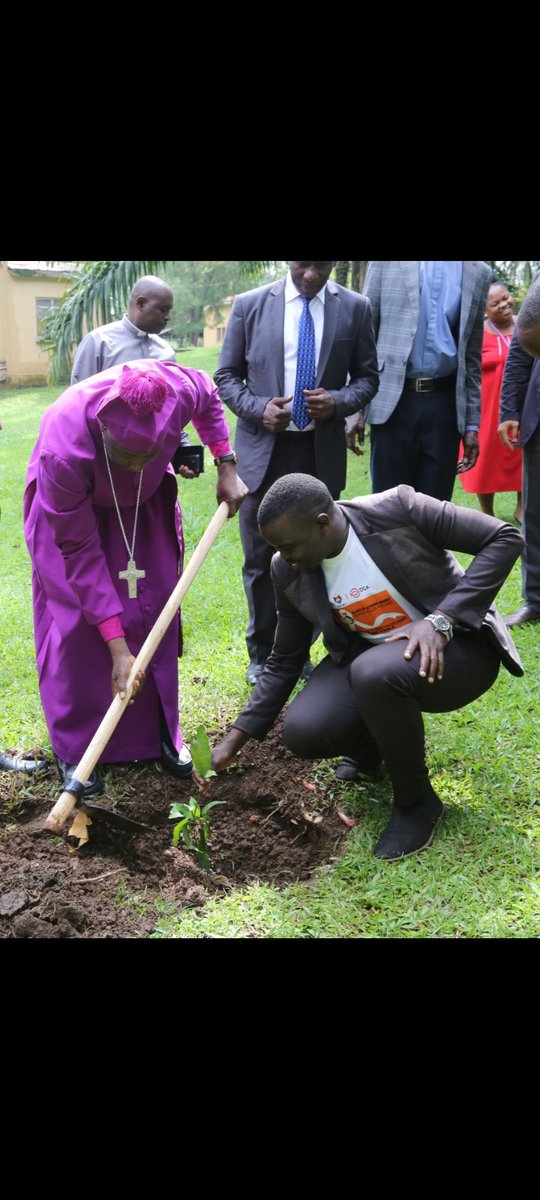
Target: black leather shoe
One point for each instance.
(254, 672)
(410, 829)
(521, 616)
(181, 768)
(351, 769)
(93, 785)
(17, 762)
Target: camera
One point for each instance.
(189, 456)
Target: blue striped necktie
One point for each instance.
(305, 366)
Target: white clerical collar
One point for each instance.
(140, 333)
(292, 293)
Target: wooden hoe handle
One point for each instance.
(59, 814)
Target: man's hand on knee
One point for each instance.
(431, 645)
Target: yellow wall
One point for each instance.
(212, 333)
(27, 362)
(3, 323)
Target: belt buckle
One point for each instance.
(418, 385)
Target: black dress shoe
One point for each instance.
(351, 769)
(521, 616)
(17, 762)
(180, 767)
(93, 785)
(410, 829)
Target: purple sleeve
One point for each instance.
(111, 628)
(219, 448)
(209, 415)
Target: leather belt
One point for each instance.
(446, 383)
(295, 433)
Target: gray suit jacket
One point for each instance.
(251, 372)
(394, 290)
(410, 537)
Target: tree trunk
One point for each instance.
(358, 276)
(342, 273)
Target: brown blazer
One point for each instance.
(410, 537)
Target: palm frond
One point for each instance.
(98, 295)
(254, 268)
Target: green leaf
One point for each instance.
(201, 752)
(179, 810)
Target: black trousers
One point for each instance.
(292, 452)
(531, 521)
(377, 698)
(418, 445)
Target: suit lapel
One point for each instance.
(391, 551)
(331, 314)
(276, 319)
(411, 276)
(310, 595)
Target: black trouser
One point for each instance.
(531, 521)
(418, 445)
(378, 697)
(292, 452)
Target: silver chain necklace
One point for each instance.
(131, 574)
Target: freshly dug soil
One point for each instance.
(275, 826)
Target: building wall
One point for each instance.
(213, 333)
(26, 361)
(4, 279)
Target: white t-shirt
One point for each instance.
(363, 599)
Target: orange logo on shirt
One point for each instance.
(376, 614)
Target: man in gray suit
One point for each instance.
(520, 426)
(371, 573)
(428, 320)
(256, 377)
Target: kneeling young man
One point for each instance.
(406, 629)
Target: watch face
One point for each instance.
(442, 625)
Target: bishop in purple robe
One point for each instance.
(104, 531)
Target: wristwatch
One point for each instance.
(441, 624)
(224, 458)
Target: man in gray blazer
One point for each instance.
(520, 426)
(256, 378)
(373, 573)
(428, 321)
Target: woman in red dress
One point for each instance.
(497, 469)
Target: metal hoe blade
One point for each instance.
(108, 816)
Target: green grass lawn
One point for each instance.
(480, 878)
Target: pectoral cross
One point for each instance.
(132, 575)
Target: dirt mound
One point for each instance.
(275, 827)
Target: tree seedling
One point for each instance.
(193, 828)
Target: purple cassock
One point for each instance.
(77, 551)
